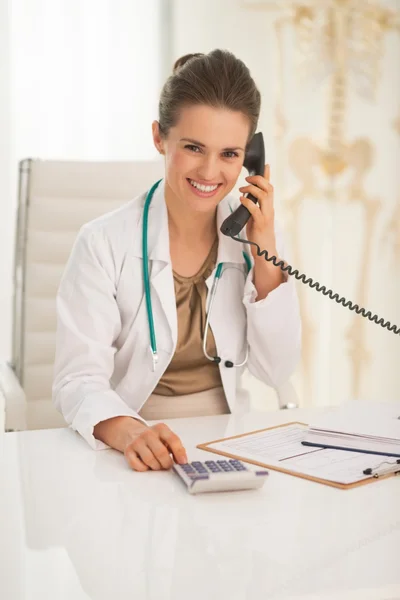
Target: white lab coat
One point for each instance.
(103, 364)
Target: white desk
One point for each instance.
(77, 524)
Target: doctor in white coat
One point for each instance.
(124, 356)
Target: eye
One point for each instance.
(231, 154)
(193, 148)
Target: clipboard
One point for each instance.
(342, 486)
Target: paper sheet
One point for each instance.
(375, 420)
(282, 447)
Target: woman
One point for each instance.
(107, 383)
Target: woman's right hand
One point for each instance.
(151, 448)
(144, 447)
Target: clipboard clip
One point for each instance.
(378, 472)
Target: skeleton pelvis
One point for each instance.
(305, 155)
(333, 163)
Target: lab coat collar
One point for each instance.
(229, 251)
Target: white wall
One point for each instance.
(331, 234)
(203, 26)
(69, 90)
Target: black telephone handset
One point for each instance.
(254, 162)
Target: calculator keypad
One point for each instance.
(237, 465)
(198, 469)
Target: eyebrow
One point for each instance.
(197, 143)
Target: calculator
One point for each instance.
(219, 476)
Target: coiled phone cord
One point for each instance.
(320, 288)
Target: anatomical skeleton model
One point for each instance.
(342, 41)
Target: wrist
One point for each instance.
(118, 432)
(267, 276)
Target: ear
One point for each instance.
(157, 138)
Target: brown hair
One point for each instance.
(217, 79)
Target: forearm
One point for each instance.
(117, 432)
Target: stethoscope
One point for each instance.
(146, 281)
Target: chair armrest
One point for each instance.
(13, 397)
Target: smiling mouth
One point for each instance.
(203, 190)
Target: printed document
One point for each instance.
(281, 447)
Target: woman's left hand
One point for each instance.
(261, 230)
(260, 227)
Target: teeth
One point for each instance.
(203, 188)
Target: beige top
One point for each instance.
(190, 371)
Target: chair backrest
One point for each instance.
(55, 199)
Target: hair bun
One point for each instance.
(183, 59)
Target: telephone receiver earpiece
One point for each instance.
(254, 162)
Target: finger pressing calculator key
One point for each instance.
(218, 476)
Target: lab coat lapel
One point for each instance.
(227, 318)
(160, 269)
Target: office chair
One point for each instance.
(55, 199)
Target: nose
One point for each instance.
(208, 170)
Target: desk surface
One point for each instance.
(76, 524)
